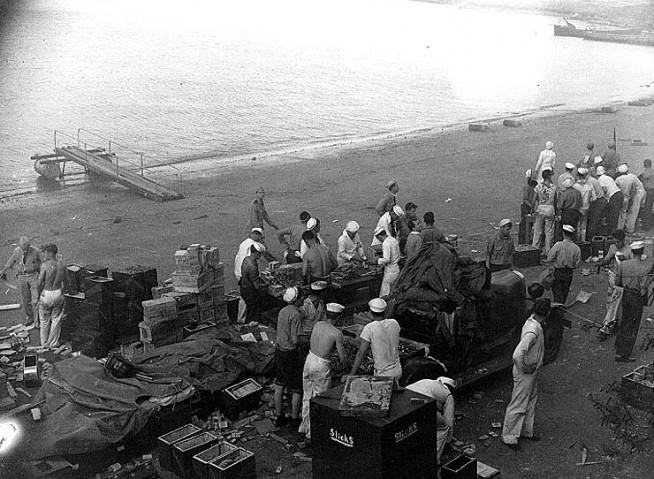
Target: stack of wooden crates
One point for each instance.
(197, 296)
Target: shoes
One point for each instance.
(281, 420)
(624, 359)
(515, 447)
(535, 437)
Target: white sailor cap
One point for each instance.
(319, 285)
(447, 381)
(352, 226)
(257, 230)
(398, 210)
(549, 145)
(623, 168)
(582, 171)
(311, 223)
(598, 159)
(600, 170)
(569, 228)
(528, 173)
(335, 308)
(569, 166)
(377, 305)
(290, 295)
(505, 221)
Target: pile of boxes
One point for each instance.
(196, 297)
(190, 452)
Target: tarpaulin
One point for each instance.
(88, 409)
(210, 360)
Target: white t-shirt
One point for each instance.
(384, 339)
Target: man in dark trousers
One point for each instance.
(250, 282)
(634, 275)
(565, 256)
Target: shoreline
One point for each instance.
(201, 165)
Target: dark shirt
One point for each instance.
(610, 160)
(250, 274)
(647, 178)
(289, 326)
(634, 274)
(570, 199)
(431, 234)
(529, 197)
(500, 249)
(258, 214)
(565, 254)
(385, 204)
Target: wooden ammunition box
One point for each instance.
(184, 450)
(239, 464)
(243, 396)
(526, 256)
(638, 387)
(166, 442)
(159, 310)
(202, 460)
(206, 313)
(158, 291)
(192, 283)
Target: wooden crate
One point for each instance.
(158, 291)
(158, 333)
(159, 310)
(206, 313)
(192, 283)
(638, 387)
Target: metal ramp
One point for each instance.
(121, 164)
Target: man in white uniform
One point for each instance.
(256, 236)
(388, 222)
(634, 195)
(350, 247)
(527, 360)
(382, 336)
(441, 390)
(389, 260)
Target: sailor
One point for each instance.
(382, 336)
(250, 282)
(27, 260)
(389, 199)
(614, 197)
(313, 310)
(568, 173)
(441, 390)
(633, 196)
(634, 275)
(313, 225)
(389, 260)
(565, 256)
(294, 234)
(317, 260)
(288, 365)
(588, 196)
(618, 252)
(388, 222)
(500, 248)
(316, 377)
(256, 236)
(527, 360)
(350, 248)
(546, 160)
(258, 212)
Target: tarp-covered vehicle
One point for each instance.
(471, 320)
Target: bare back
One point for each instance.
(52, 274)
(324, 338)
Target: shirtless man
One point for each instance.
(316, 379)
(51, 298)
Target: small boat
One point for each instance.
(50, 170)
(632, 36)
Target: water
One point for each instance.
(222, 79)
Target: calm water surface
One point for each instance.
(223, 79)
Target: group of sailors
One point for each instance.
(595, 196)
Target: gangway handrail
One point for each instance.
(110, 142)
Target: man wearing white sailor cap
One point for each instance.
(250, 282)
(565, 256)
(634, 195)
(588, 196)
(316, 377)
(441, 390)
(313, 310)
(614, 197)
(350, 247)
(634, 275)
(389, 199)
(388, 222)
(500, 248)
(568, 173)
(382, 336)
(288, 364)
(389, 260)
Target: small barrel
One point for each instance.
(512, 123)
(478, 127)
